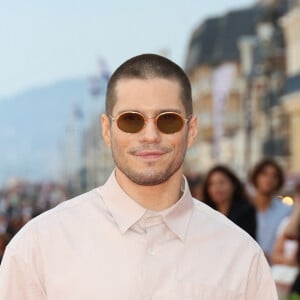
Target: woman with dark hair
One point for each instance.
(223, 191)
(268, 178)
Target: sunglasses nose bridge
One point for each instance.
(146, 120)
(150, 130)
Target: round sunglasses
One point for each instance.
(133, 122)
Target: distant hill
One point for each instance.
(34, 124)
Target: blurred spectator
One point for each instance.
(284, 256)
(21, 201)
(286, 245)
(292, 229)
(3, 234)
(295, 288)
(223, 191)
(4, 238)
(195, 183)
(268, 178)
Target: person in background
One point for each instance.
(286, 245)
(292, 228)
(223, 191)
(295, 233)
(267, 177)
(292, 233)
(3, 235)
(3, 242)
(285, 260)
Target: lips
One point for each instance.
(149, 154)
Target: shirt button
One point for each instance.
(151, 251)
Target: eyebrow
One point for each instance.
(156, 112)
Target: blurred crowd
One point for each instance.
(21, 201)
(257, 206)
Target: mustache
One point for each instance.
(150, 148)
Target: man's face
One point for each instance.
(148, 157)
(267, 180)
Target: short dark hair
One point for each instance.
(259, 168)
(147, 66)
(239, 191)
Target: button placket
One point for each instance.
(153, 233)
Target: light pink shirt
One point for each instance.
(103, 245)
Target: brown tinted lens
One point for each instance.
(169, 122)
(130, 122)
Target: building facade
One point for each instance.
(291, 100)
(236, 64)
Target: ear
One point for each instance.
(106, 131)
(193, 130)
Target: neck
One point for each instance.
(157, 197)
(262, 201)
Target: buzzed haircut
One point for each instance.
(148, 66)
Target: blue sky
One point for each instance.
(46, 41)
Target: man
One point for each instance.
(141, 235)
(268, 178)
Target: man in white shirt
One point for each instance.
(141, 235)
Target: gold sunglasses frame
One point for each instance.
(184, 120)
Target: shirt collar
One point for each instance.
(126, 212)
(177, 216)
(123, 209)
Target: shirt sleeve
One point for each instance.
(260, 282)
(19, 276)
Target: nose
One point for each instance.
(150, 133)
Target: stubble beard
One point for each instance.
(150, 176)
